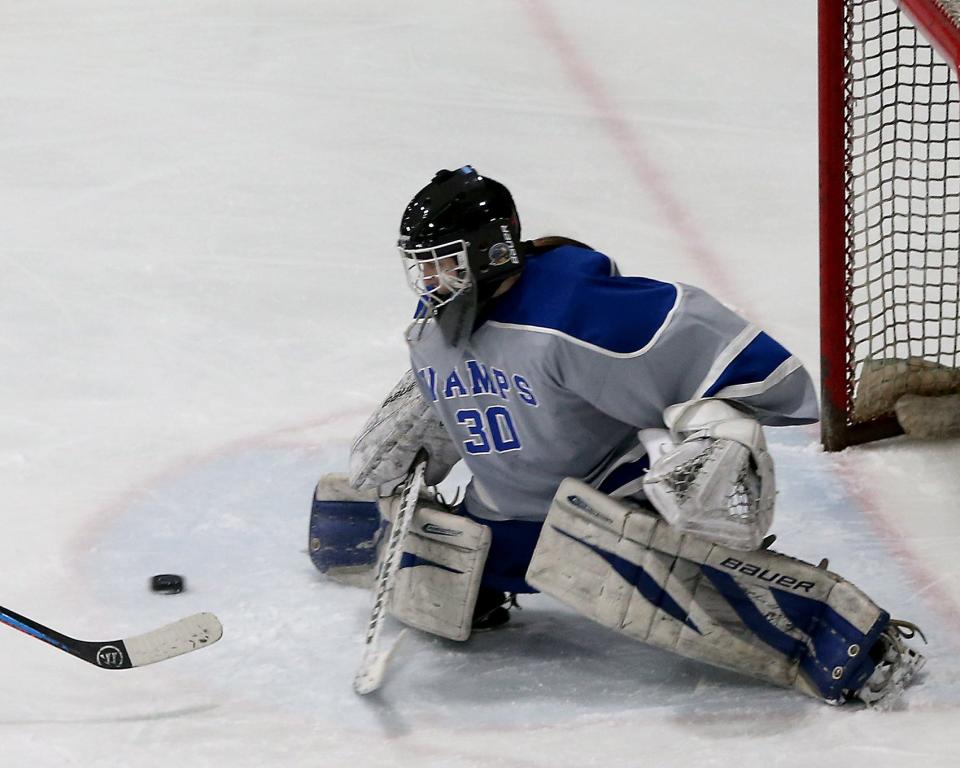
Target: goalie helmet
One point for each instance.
(460, 239)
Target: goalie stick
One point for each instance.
(189, 634)
(373, 665)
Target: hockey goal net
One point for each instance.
(889, 218)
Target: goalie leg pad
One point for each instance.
(761, 613)
(345, 530)
(440, 571)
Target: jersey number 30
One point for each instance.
(490, 430)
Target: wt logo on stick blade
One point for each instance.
(110, 656)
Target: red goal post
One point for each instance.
(889, 212)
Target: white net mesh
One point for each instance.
(903, 211)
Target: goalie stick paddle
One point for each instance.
(189, 634)
(373, 665)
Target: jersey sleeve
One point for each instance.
(694, 348)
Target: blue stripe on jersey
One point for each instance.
(756, 362)
(571, 290)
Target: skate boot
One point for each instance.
(493, 608)
(896, 665)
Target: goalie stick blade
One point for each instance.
(370, 676)
(189, 634)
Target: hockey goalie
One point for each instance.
(613, 427)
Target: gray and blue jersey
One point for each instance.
(573, 360)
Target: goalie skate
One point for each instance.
(897, 664)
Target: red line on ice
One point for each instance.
(636, 155)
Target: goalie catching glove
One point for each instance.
(718, 482)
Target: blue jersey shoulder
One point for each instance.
(575, 291)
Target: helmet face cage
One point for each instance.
(439, 274)
(459, 239)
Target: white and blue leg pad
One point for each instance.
(760, 613)
(440, 570)
(345, 530)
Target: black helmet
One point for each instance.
(460, 214)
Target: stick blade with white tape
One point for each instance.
(188, 634)
(183, 636)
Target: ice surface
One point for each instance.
(199, 304)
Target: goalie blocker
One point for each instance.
(759, 613)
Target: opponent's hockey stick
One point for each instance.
(189, 634)
(373, 665)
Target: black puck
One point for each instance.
(167, 583)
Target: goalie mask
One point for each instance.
(459, 239)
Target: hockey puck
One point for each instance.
(167, 583)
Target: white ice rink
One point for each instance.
(200, 302)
